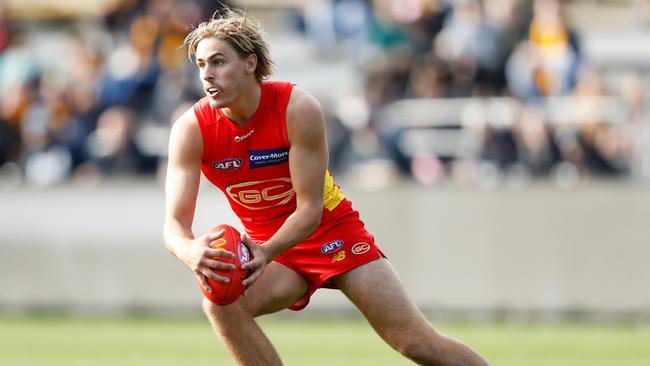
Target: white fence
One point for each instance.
(541, 249)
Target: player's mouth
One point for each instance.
(212, 91)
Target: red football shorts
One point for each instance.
(336, 247)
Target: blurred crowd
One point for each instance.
(527, 51)
(100, 106)
(104, 108)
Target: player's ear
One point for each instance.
(250, 63)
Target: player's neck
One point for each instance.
(243, 108)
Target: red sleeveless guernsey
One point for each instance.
(250, 164)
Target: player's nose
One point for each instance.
(208, 75)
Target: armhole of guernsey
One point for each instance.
(332, 194)
(199, 113)
(283, 93)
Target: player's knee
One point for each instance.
(420, 349)
(219, 314)
(210, 309)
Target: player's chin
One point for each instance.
(214, 103)
(217, 101)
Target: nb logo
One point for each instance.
(338, 256)
(262, 194)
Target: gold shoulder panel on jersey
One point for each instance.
(333, 195)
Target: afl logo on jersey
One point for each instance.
(228, 164)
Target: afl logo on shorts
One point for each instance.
(228, 164)
(331, 247)
(360, 248)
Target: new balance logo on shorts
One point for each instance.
(340, 256)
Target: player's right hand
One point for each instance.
(200, 258)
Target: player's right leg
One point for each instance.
(277, 288)
(377, 292)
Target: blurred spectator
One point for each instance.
(132, 68)
(336, 25)
(636, 132)
(16, 69)
(547, 63)
(460, 44)
(111, 146)
(537, 150)
(9, 139)
(644, 10)
(100, 112)
(601, 142)
(5, 32)
(429, 77)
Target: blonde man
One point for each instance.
(263, 144)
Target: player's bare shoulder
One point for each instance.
(304, 114)
(185, 137)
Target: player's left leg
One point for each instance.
(277, 288)
(377, 292)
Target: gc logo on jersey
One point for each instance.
(228, 164)
(263, 194)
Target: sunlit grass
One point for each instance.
(126, 341)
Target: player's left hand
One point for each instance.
(256, 266)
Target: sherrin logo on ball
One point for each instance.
(244, 253)
(227, 293)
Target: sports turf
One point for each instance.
(123, 341)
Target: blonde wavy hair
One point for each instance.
(241, 31)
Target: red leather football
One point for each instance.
(226, 293)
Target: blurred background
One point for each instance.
(478, 93)
(499, 150)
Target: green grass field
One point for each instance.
(46, 341)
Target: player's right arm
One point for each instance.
(181, 191)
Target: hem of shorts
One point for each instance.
(287, 264)
(305, 298)
(304, 301)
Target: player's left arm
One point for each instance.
(308, 159)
